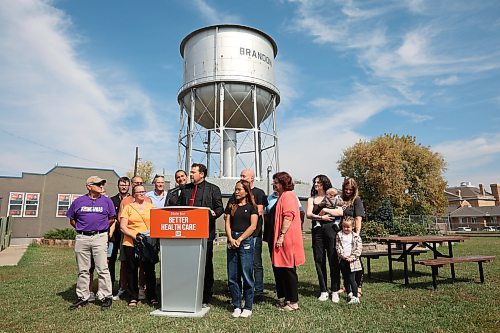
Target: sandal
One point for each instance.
(153, 302)
(289, 307)
(132, 303)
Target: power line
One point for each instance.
(56, 149)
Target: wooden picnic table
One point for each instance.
(408, 243)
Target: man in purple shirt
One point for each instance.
(91, 216)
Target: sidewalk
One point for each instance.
(11, 255)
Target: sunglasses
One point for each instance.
(98, 184)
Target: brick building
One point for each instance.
(470, 206)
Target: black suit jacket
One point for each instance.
(208, 195)
(173, 196)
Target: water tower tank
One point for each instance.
(229, 89)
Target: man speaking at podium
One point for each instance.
(200, 193)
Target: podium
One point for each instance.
(183, 233)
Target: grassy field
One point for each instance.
(35, 295)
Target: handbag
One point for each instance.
(145, 247)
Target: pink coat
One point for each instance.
(291, 254)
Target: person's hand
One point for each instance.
(237, 242)
(212, 212)
(350, 259)
(328, 218)
(233, 243)
(279, 242)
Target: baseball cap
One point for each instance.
(95, 180)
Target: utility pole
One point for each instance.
(136, 161)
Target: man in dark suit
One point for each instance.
(201, 193)
(173, 194)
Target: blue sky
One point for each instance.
(85, 82)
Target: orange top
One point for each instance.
(137, 221)
(129, 200)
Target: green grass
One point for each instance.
(35, 295)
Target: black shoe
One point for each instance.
(106, 303)
(258, 299)
(80, 303)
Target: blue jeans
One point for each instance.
(240, 267)
(258, 270)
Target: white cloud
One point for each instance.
(55, 104)
(287, 80)
(213, 15)
(314, 143)
(416, 6)
(447, 81)
(414, 117)
(414, 50)
(477, 157)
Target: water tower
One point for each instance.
(228, 101)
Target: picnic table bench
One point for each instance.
(440, 262)
(409, 243)
(377, 254)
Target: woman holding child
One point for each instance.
(241, 221)
(322, 210)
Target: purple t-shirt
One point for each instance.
(91, 214)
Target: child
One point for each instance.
(349, 248)
(331, 200)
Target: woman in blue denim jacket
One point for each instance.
(241, 221)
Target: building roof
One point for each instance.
(59, 167)
(476, 211)
(467, 193)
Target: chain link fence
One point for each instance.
(431, 222)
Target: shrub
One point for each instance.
(373, 229)
(408, 229)
(68, 233)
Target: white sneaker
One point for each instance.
(354, 300)
(236, 313)
(323, 296)
(119, 294)
(99, 296)
(142, 294)
(245, 313)
(349, 296)
(335, 297)
(91, 297)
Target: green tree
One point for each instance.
(145, 169)
(385, 214)
(396, 168)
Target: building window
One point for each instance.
(31, 204)
(16, 200)
(63, 203)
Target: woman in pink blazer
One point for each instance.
(288, 252)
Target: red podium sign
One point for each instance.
(179, 222)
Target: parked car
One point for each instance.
(464, 229)
(489, 229)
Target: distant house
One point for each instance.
(470, 206)
(39, 202)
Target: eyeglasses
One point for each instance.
(98, 184)
(140, 192)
